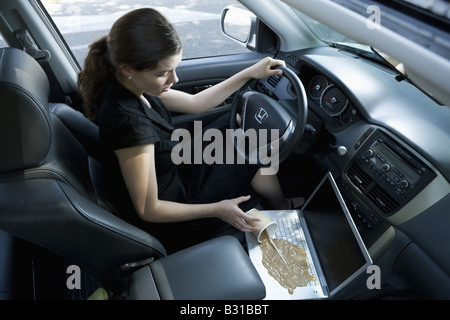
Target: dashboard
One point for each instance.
(396, 160)
(387, 145)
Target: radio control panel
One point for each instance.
(386, 173)
(385, 164)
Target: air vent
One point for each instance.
(379, 198)
(273, 81)
(382, 200)
(359, 178)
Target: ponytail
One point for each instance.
(93, 78)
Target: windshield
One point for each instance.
(340, 41)
(321, 31)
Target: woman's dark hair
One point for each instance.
(139, 39)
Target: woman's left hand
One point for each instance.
(264, 68)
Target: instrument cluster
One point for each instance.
(339, 110)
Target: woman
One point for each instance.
(126, 88)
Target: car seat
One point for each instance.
(50, 196)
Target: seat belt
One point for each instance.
(42, 57)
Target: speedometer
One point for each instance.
(333, 101)
(316, 87)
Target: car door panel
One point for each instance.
(196, 75)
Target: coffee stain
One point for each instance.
(291, 273)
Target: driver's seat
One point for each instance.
(47, 197)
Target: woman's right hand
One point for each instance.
(265, 68)
(230, 212)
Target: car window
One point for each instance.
(198, 23)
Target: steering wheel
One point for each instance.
(265, 116)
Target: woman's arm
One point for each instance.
(179, 101)
(138, 170)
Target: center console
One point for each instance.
(218, 269)
(382, 177)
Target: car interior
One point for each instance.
(382, 133)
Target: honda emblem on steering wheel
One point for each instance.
(261, 115)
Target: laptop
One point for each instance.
(324, 228)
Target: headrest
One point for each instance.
(25, 125)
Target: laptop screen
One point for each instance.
(339, 247)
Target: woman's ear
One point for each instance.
(126, 72)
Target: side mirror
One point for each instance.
(239, 25)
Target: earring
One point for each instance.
(130, 77)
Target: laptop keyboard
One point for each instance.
(290, 230)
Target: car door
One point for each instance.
(196, 75)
